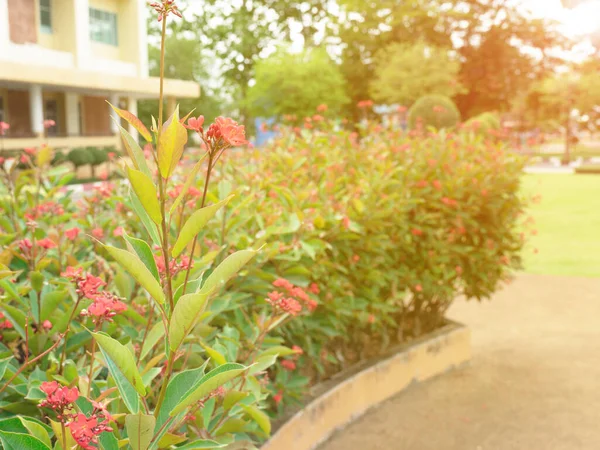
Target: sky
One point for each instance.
(583, 19)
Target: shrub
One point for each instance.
(434, 111)
(588, 170)
(483, 123)
(98, 156)
(80, 157)
(388, 231)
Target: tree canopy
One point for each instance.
(404, 73)
(296, 84)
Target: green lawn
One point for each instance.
(568, 224)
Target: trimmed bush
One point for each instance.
(388, 230)
(434, 111)
(483, 123)
(80, 157)
(593, 169)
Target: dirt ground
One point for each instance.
(533, 382)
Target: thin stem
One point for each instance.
(64, 435)
(64, 352)
(162, 74)
(206, 181)
(165, 382)
(28, 362)
(165, 242)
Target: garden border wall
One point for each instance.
(350, 394)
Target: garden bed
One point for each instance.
(348, 395)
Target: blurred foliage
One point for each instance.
(296, 84)
(406, 72)
(434, 111)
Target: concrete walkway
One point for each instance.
(533, 382)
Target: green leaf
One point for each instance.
(232, 397)
(140, 429)
(16, 317)
(227, 269)
(146, 192)
(194, 224)
(36, 430)
(135, 152)
(133, 121)
(50, 302)
(170, 144)
(214, 355)
(150, 226)
(18, 441)
(136, 268)
(177, 389)
(280, 350)
(188, 183)
(4, 365)
(128, 394)
(108, 441)
(259, 417)
(209, 382)
(192, 286)
(201, 444)
(185, 316)
(144, 252)
(233, 425)
(262, 363)
(122, 358)
(154, 335)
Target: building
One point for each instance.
(61, 60)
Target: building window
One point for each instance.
(103, 26)
(46, 16)
(51, 113)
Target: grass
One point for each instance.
(568, 225)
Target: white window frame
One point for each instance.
(106, 23)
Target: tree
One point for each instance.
(296, 84)
(238, 33)
(407, 72)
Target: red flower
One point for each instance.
(322, 108)
(25, 245)
(46, 243)
(449, 201)
(419, 288)
(58, 398)
(3, 127)
(402, 109)
(49, 123)
(288, 365)
(89, 285)
(118, 232)
(98, 233)
(72, 233)
(82, 430)
(416, 232)
(298, 350)
(105, 307)
(72, 272)
(195, 124)
(278, 397)
(314, 288)
(111, 155)
(47, 325)
(282, 282)
(437, 184)
(459, 270)
(355, 258)
(422, 183)
(30, 150)
(232, 133)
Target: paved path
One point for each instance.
(533, 382)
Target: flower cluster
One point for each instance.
(5, 323)
(45, 209)
(164, 8)
(292, 300)
(85, 430)
(364, 104)
(175, 266)
(60, 399)
(222, 134)
(105, 304)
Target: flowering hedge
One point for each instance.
(384, 229)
